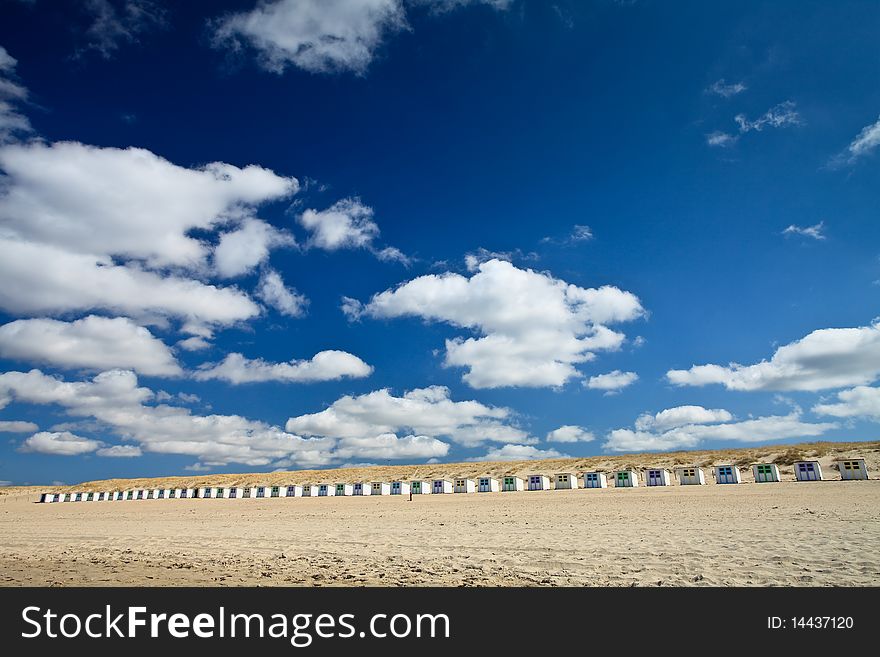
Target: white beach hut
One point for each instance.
(657, 477)
(727, 474)
(595, 480)
(626, 479)
(488, 485)
(274, 491)
(206, 493)
(419, 487)
(853, 469)
(233, 493)
(118, 495)
(807, 471)
(326, 490)
(380, 488)
(293, 491)
(100, 496)
(361, 488)
(765, 472)
(310, 490)
(691, 476)
(343, 490)
(221, 493)
(247, 493)
(566, 480)
(188, 493)
(260, 492)
(400, 488)
(539, 482)
(462, 485)
(158, 493)
(511, 483)
(439, 486)
(172, 493)
(46, 498)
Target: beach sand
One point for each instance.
(788, 533)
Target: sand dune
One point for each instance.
(788, 533)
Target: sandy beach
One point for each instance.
(794, 534)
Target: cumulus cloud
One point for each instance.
(864, 143)
(726, 90)
(652, 434)
(816, 231)
(614, 381)
(824, 359)
(518, 453)
(195, 343)
(274, 293)
(85, 228)
(119, 23)
(17, 426)
(533, 329)
(93, 342)
(320, 36)
(778, 116)
(12, 122)
(120, 451)
(115, 401)
(570, 433)
(421, 412)
(242, 249)
(859, 402)
(324, 366)
(347, 224)
(59, 443)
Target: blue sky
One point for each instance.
(288, 234)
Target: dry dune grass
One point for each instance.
(783, 455)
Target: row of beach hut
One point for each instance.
(689, 475)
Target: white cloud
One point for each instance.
(274, 293)
(581, 233)
(115, 401)
(612, 381)
(195, 343)
(96, 343)
(60, 443)
(239, 251)
(347, 224)
(12, 122)
(533, 329)
(393, 254)
(778, 116)
(112, 26)
(862, 145)
(858, 402)
(721, 139)
(681, 416)
(569, 433)
(319, 36)
(518, 453)
(421, 412)
(689, 436)
(323, 366)
(826, 358)
(726, 90)
(816, 231)
(17, 426)
(120, 451)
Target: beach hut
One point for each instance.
(511, 484)
(206, 493)
(221, 493)
(566, 480)
(310, 490)
(691, 476)
(233, 493)
(626, 479)
(765, 472)
(853, 469)
(117, 495)
(595, 480)
(158, 493)
(100, 496)
(488, 485)
(539, 482)
(420, 487)
(361, 488)
(293, 491)
(259, 492)
(464, 486)
(399, 488)
(343, 490)
(807, 471)
(326, 490)
(727, 474)
(46, 498)
(439, 486)
(380, 488)
(657, 477)
(140, 494)
(172, 493)
(247, 493)
(188, 493)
